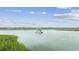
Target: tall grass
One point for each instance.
(10, 43)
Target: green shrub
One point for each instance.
(10, 43)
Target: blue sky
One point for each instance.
(43, 16)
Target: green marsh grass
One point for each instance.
(10, 43)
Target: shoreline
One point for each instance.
(41, 28)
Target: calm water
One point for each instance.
(49, 40)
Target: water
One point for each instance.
(50, 40)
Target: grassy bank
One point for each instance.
(10, 43)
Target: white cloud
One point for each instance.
(32, 12)
(64, 7)
(73, 15)
(75, 11)
(14, 10)
(44, 12)
(4, 20)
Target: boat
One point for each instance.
(39, 31)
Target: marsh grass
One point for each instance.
(10, 43)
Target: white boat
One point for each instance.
(39, 31)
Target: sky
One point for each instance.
(39, 16)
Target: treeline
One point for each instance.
(42, 28)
